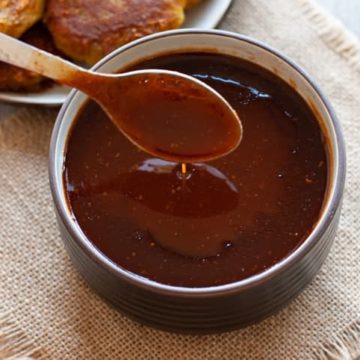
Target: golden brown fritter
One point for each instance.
(13, 78)
(17, 16)
(87, 30)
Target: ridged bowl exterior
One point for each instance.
(202, 310)
(203, 314)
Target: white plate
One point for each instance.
(204, 16)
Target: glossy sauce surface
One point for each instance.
(222, 221)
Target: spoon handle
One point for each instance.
(18, 53)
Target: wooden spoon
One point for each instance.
(167, 114)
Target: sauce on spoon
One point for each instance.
(168, 116)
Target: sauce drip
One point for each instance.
(216, 222)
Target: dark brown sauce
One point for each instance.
(220, 222)
(167, 116)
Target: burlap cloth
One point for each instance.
(46, 309)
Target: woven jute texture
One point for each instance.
(48, 312)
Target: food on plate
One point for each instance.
(17, 16)
(13, 78)
(84, 30)
(87, 30)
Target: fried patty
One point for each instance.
(87, 30)
(13, 78)
(17, 16)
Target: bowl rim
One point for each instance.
(326, 217)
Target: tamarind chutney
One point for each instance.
(203, 224)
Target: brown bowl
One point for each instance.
(217, 308)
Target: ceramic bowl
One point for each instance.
(218, 308)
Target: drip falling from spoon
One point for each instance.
(183, 169)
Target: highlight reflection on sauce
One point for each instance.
(189, 215)
(157, 192)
